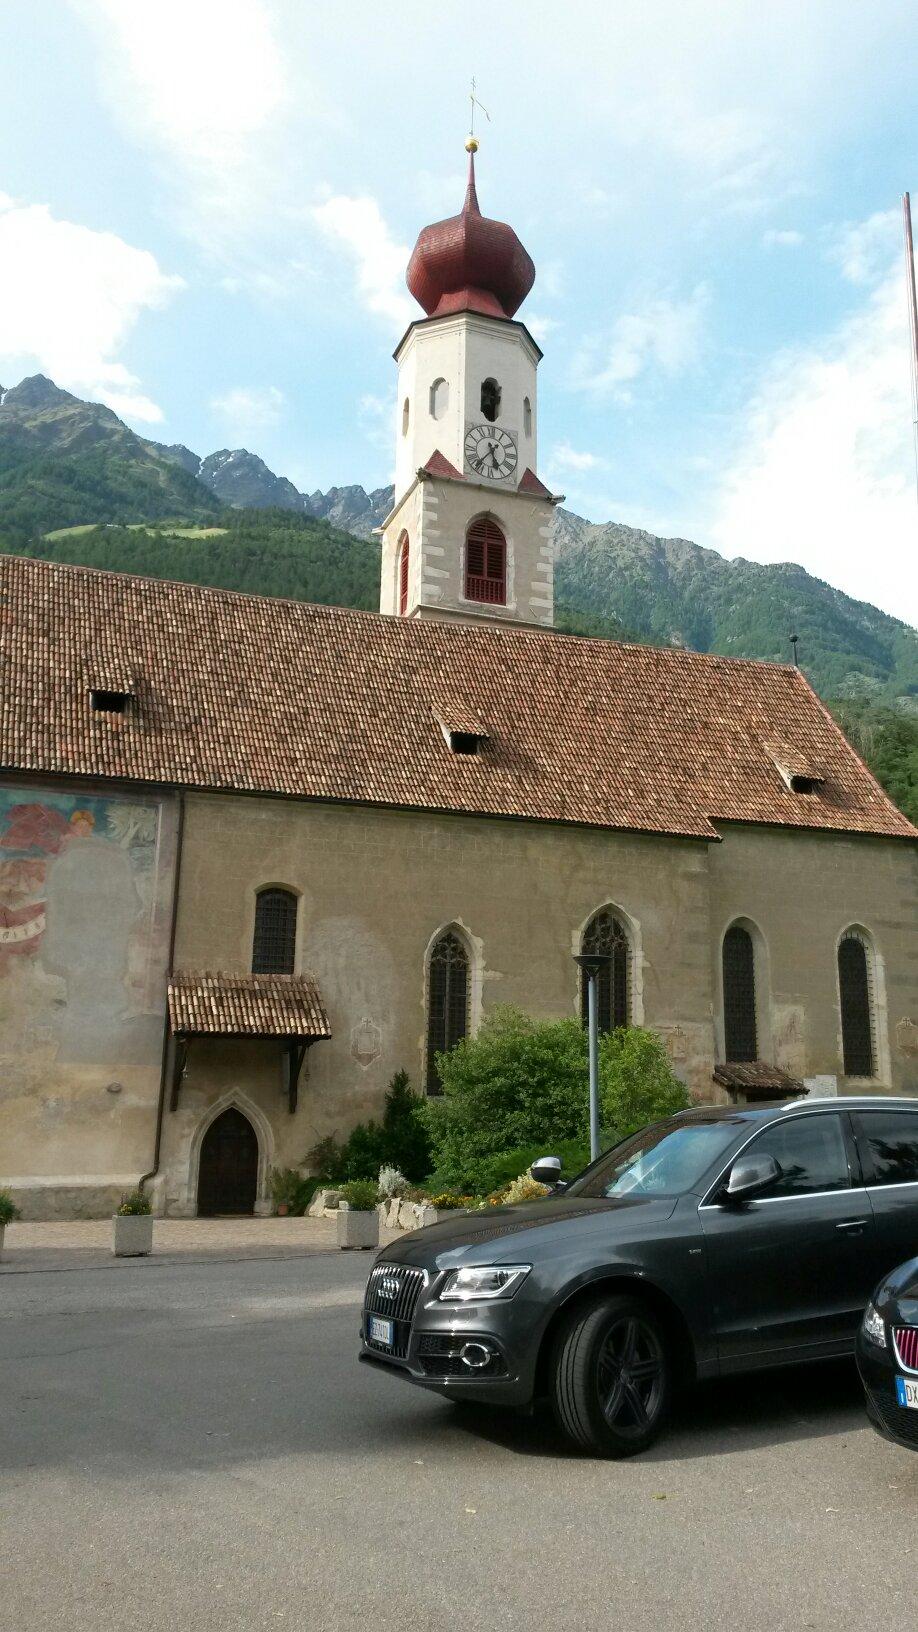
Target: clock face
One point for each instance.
(490, 452)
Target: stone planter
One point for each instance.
(132, 1235)
(357, 1230)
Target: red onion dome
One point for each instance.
(470, 264)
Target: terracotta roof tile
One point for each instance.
(757, 1077)
(246, 1006)
(529, 483)
(439, 465)
(238, 692)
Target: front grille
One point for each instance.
(392, 1292)
(907, 1345)
(900, 1421)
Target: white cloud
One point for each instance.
(376, 418)
(824, 474)
(539, 326)
(248, 407)
(564, 457)
(201, 82)
(379, 262)
(69, 298)
(785, 237)
(863, 250)
(664, 334)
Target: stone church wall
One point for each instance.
(85, 916)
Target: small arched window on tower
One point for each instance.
(486, 563)
(740, 1035)
(605, 933)
(439, 399)
(274, 942)
(527, 417)
(856, 1006)
(406, 415)
(403, 562)
(447, 1002)
(490, 399)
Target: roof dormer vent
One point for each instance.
(102, 701)
(463, 733)
(795, 767)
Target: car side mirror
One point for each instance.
(547, 1170)
(749, 1176)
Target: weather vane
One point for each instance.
(471, 145)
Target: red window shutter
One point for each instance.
(403, 575)
(486, 563)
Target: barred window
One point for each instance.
(740, 1039)
(856, 1007)
(274, 944)
(447, 1003)
(605, 933)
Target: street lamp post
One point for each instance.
(592, 964)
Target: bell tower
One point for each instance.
(469, 534)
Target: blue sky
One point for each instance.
(206, 207)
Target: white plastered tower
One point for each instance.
(469, 534)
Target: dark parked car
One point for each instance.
(887, 1355)
(719, 1240)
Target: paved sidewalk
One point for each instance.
(88, 1245)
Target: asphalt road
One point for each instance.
(195, 1446)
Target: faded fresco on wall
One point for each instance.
(85, 883)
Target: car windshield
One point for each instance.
(666, 1159)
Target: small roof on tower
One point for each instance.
(470, 263)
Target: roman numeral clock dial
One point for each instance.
(490, 452)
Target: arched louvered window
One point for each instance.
(274, 944)
(447, 1002)
(486, 563)
(606, 933)
(403, 564)
(856, 1007)
(740, 1038)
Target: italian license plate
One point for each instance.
(907, 1392)
(381, 1331)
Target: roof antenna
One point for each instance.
(793, 640)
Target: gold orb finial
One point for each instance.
(471, 144)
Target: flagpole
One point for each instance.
(912, 316)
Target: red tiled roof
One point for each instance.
(756, 1077)
(237, 692)
(529, 483)
(439, 465)
(203, 1005)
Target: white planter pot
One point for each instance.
(132, 1235)
(359, 1230)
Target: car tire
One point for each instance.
(611, 1376)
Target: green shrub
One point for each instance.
(401, 1140)
(289, 1189)
(496, 1172)
(448, 1200)
(360, 1195)
(134, 1205)
(523, 1083)
(9, 1212)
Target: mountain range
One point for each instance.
(66, 463)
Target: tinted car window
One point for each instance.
(810, 1151)
(891, 1138)
(666, 1159)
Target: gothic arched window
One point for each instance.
(447, 1002)
(527, 417)
(740, 1037)
(856, 1006)
(606, 933)
(402, 569)
(274, 942)
(490, 399)
(486, 562)
(439, 398)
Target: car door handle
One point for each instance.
(852, 1224)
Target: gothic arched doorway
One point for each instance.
(228, 1171)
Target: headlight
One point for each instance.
(485, 1281)
(874, 1326)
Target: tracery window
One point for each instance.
(606, 933)
(854, 986)
(447, 1002)
(740, 1035)
(274, 942)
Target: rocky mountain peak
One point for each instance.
(37, 391)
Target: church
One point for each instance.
(256, 856)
